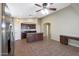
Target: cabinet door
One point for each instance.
(23, 35)
(39, 36)
(63, 40)
(30, 37)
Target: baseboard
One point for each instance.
(56, 40)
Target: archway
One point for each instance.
(47, 32)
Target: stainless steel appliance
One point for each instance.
(7, 33)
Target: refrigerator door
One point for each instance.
(5, 38)
(0, 29)
(11, 41)
(7, 34)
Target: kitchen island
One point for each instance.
(32, 37)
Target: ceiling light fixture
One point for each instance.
(44, 11)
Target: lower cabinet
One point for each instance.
(31, 37)
(63, 40)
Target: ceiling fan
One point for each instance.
(44, 6)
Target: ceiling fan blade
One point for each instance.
(52, 9)
(38, 5)
(38, 10)
(51, 3)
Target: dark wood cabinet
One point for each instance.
(27, 28)
(39, 36)
(64, 39)
(31, 37)
(24, 34)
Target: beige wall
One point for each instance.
(17, 26)
(64, 22)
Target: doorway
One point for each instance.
(47, 32)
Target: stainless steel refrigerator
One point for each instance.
(7, 34)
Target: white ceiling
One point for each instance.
(27, 10)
